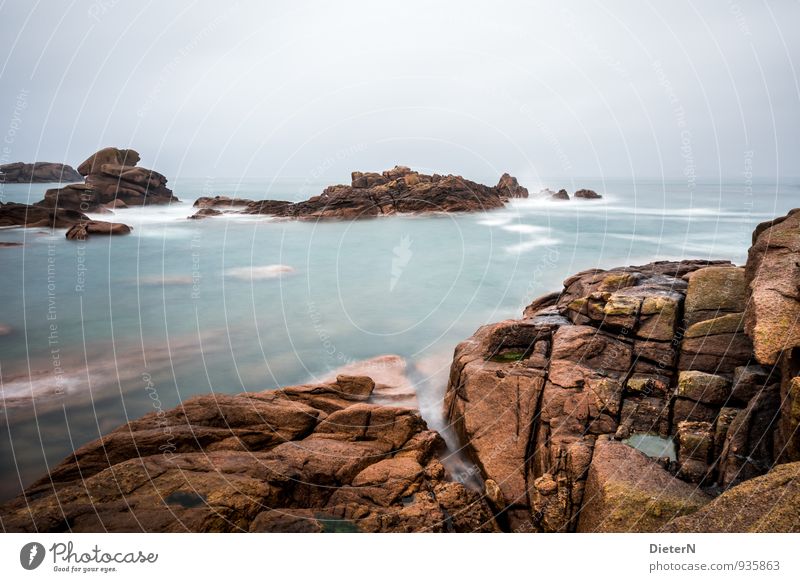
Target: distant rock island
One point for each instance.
(400, 190)
(37, 172)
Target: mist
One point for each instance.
(314, 90)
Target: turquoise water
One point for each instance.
(102, 331)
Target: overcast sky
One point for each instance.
(316, 89)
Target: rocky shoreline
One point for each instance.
(698, 357)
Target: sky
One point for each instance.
(314, 90)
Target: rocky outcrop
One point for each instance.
(560, 195)
(316, 457)
(83, 229)
(396, 191)
(221, 202)
(205, 213)
(655, 351)
(509, 186)
(110, 175)
(14, 214)
(772, 317)
(37, 172)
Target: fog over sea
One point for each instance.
(103, 331)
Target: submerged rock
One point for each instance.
(37, 172)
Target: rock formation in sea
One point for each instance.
(396, 191)
(660, 397)
(112, 181)
(111, 175)
(37, 172)
(509, 186)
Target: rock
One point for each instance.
(764, 504)
(628, 492)
(695, 442)
(772, 273)
(14, 214)
(37, 172)
(608, 357)
(224, 202)
(771, 318)
(560, 195)
(750, 380)
(79, 197)
(111, 175)
(116, 204)
(396, 191)
(390, 373)
(82, 230)
(703, 387)
(205, 213)
(509, 186)
(114, 156)
(748, 445)
(715, 291)
(312, 458)
(587, 194)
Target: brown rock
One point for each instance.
(765, 504)
(509, 187)
(628, 492)
(37, 172)
(82, 230)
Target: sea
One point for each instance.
(96, 333)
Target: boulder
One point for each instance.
(761, 505)
(83, 229)
(560, 195)
(771, 318)
(628, 492)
